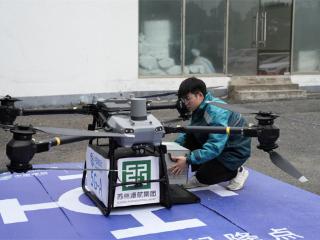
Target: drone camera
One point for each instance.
(139, 149)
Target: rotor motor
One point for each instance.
(267, 132)
(8, 112)
(21, 149)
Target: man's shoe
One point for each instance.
(238, 182)
(193, 183)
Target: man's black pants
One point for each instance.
(213, 172)
(210, 172)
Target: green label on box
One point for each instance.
(136, 171)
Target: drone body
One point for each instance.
(138, 172)
(146, 128)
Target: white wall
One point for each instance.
(61, 47)
(306, 80)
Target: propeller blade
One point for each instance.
(81, 132)
(6, 127)
(286, 166)
(170, 93)
(160, 95)
(232, 108)
(168, 121)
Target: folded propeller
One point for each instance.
(267, 135)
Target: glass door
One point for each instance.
(259, 37)
(243, 34)
(274, 36)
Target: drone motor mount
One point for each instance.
(21, 149)
(8, 112)
(267, 133)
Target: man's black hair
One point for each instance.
(192, 85)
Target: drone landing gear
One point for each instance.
(99, 204)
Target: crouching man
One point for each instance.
(214, 158)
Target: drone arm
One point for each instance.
(159, 107)
(21, 148)
(217, 130)
(267, 135)
(8, 114)
(28, 112)
(248, 132)
(45, 146)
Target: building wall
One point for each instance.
(63, 47)
(59, 47)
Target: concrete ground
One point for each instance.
(299, 141)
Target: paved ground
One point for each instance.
(299, 141)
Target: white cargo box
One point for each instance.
(174, 149)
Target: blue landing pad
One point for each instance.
(51, 205)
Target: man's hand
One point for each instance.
(179, 166)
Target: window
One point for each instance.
(181, 37)
(306, 45)
(204, 36)
(160, 37)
